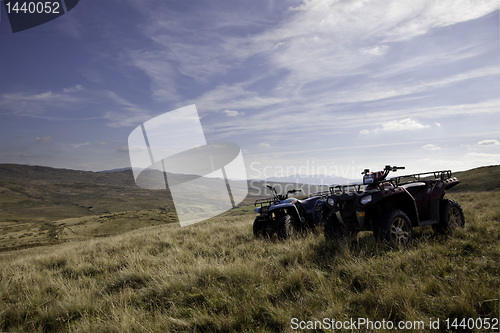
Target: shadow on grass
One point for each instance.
(364, 245)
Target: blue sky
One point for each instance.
(301, 86)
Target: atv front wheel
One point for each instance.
(395, 228)
(286, 227)
(329, 228)
(451, 217)
(333, 229)
(259, 227)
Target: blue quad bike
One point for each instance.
(286, 216)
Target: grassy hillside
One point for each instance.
(215, 276)
(479, 179)
(36, 203)
(93, 252)
(46, 194)
(42, 205)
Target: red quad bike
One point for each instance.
(392, 207)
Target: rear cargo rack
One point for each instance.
(395, 181)
(417, 177)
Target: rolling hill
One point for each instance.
(43, 205)
(44, 194)
(485, 178)
(92, 252)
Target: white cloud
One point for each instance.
(376, 50)
(407, 124)
(488, 143)
(233, 113)
(265, 145)
(431, 147)
(364, 132)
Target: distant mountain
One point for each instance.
(115, 170)
(28, 173)
(313, 179)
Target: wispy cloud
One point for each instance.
(161, 72)
(233, 97)
(331, 38)
(294, 77)
(38, 104)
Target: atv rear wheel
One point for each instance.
(286, 227)
(451, 217)
(395, 228)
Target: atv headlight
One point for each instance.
(365, 200)
(331, 201)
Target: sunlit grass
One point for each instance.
(215, 276)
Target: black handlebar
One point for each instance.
(277, 196)
(392, 168)
(387, 169)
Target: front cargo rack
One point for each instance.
(265, 202)
(341, 189)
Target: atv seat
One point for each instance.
(414, 188)
(308, 203)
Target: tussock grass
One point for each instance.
(215, 276)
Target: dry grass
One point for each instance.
(215, 276)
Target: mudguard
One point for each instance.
(317, 211)
(286, 205)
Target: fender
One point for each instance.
(403, 200)
(317, 210)
(437, 192)
(287, 205)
